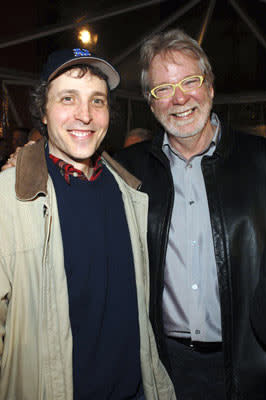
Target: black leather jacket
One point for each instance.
(235, 180)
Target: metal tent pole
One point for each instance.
(206, 21)
(163, 25)
(252, 26)
(60, 28)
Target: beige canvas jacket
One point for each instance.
(35, 333)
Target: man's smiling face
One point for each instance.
(185, 114)
(77, 117)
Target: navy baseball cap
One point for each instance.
(61, 59)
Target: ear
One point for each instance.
(151, 106)
(149, 99)
(212, 92)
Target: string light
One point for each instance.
(86, 37)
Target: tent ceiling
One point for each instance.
(232, 32)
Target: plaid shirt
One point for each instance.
(68, 170)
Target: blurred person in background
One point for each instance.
(137, 135)
(18, 137)
(33, 136)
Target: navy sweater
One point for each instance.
(101, 287)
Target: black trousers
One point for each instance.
(196, 375)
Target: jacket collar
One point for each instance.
(156, 147)
(130, 179)
(227, 141)
(32, 173)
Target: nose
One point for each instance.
(83, 112)
(179, 97)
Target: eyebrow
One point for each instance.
(185, 77)
(99, 94)
(73, 91)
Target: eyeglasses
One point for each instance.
(186, 85)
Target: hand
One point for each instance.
(12, 160)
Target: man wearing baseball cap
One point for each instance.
(74, 275)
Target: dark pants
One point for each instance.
(196, 375)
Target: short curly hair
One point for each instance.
(39, 95)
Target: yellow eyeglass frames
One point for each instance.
(186, 85)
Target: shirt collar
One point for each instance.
(67, 170)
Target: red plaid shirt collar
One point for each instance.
(68, 170)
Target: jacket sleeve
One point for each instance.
(258, 305)
(5, 293)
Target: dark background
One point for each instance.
(237, 56)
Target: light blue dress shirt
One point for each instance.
(191, 305)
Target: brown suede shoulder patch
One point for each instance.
(31, 171)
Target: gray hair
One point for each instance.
(164, 43)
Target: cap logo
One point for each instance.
(81, 53)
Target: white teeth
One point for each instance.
(78, 133)
(184, 114)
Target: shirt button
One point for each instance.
(191, 202)
(194, 242)
(194, 286)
